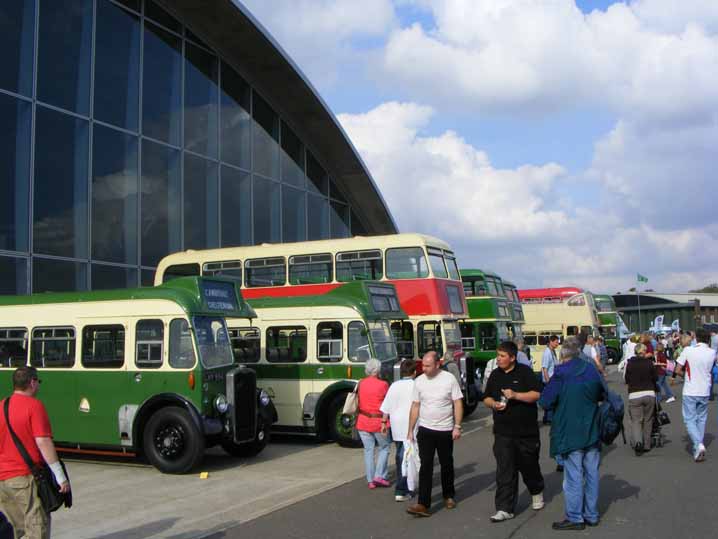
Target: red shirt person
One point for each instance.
(372, 391)
(18, 493)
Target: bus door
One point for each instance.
(404, 337)
(288, 375)
(102, 387)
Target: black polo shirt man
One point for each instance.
(511, 392)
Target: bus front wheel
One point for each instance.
(249, 449)
(341, 426)
(172, 442)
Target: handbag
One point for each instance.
(48, 489)
(351, 404)
(662, 416)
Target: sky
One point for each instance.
(555, 142)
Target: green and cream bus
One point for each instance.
(309, 351)
(140, 372)
(609, 321)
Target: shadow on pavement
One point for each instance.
(612, 490)
(145, 530)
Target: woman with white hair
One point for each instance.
(371, 393)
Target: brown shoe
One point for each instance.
(418, 510)
(450, 503)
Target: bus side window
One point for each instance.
(13, 347)
(406, 263)
(310, 269)
(52, 347)
(487, 336)
(358, 342)
(103, 346)
(330, 342)
(468, 341)
(181, 350)
(530, 339)
(180, 270)
(404, 337)
(359, 266)
(286, 344)
(572, 330)
(429, 336)
(149, 343)
(245, 344)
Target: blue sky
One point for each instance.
(560, 141)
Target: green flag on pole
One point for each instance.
(641, 279)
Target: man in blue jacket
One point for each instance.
(573, 393)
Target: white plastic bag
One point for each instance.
(411, 464)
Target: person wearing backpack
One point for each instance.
(641, 378)
(573, 394)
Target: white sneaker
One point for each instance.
(500, 516)
(537, 501)
(700, 455)
(672, 399)
(402, 498)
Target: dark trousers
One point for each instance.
(514, 455)
(401, 488)
(430, 442)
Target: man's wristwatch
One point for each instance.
(457, 427)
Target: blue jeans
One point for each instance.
(695, 414)
(370, 440)
(580, 484)
(663, 387)
(401, 488)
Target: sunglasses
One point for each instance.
(37, 380)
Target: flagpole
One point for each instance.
(638, 299)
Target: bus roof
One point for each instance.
(478, 273)
(355, 295)
(540, 293)
(508, 284)
(193, 294)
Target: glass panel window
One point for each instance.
(103, 346)
(159, 14)
(318, 179)
(180, 270)
(160, 202)
(231, 269)
(58, 276)
(292, 158)
(404, 337)
(310, 269)
(265, 272)
(294, 217)
(317, 218)
(359, 266)
(215, 348)
(60, 197)
(15, 117)
(286, 344)
(65, 41)
(330, 341)
(339, 220)
(200, 101)
(117, 66)
(530, 339)
(235, 118)
(147, 278)
(456, 303)
(17, 41)
(149, 343)
(335, 192)
(358, 342)
(114, 196)
(236, 204)
(488, 336)
(358, 229)
(245, 344)
(406, 263)
(13, 347)
(13, 276)
(468, 289)
(577, 301)
(111, 277)
(436, 260)
(181, 351)
(383, 299)
(266, 211)
(52, 347)
(162, 85)
(266, 138)
(201, 226)
(452, 267)
(429, 336)
(468, 341)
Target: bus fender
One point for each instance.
(157, 402)
(322, 407)
(267, 411)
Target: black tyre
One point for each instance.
(341, 426)
(172, 442)
(252, 448)
(612, 356)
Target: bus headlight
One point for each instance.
(264, 398)
(221, 404)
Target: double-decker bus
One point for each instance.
(308, 352)
(609, 325)
(560, 311)
(517, 311)
(490, 319)
(423, 269)
(144, 372)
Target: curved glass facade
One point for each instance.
(125, 137)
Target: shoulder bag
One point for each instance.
(47, 488)
(351, 404)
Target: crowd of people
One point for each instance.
(423, 416)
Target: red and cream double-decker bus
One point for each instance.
(422, 268)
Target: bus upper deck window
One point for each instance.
(229, 269)
(265, 272)
(406, 263)
(359, 266)
(451, 265)
(180, 270)
(310, 269)
(436, 261)
(577, 301)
